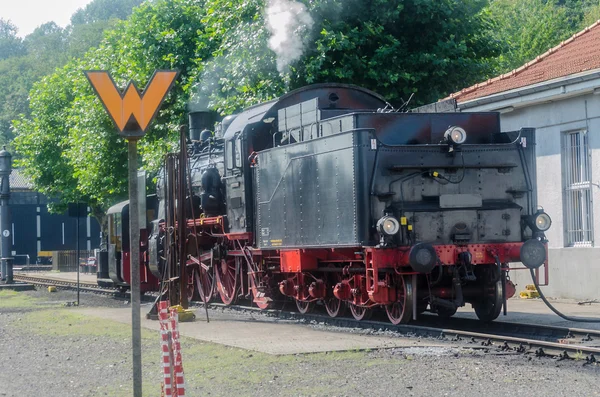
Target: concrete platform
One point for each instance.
(265, 335)
(16, 287)
(534, 311)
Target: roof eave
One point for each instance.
(579, 84)
(529, 64)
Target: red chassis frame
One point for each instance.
(362, 265)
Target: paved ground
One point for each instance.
(277, 336)
(535, 311)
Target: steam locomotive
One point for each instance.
(329, 196)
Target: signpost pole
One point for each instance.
(134, 236)
(77, 259)
(5, 223)
(132, 114)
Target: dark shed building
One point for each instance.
(34, 229)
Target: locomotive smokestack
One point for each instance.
(199, 121)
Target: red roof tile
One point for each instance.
(577, 54)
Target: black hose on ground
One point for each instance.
(575, 319)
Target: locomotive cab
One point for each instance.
(119, 245)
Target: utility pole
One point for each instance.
(6, 248)
(77, 210)
(77, 255)
(134, 238)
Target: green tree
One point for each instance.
(528, 28)
(10, 44)
(89, 23)
(15, 80)
(394, 47)
(581, 13)
(591, 14)
(43, 137)
(23, 62)
(242, 71)
(69, 146)
(221, 47)
(399, 47)
(42, 51)
(104, 10)
(47, 46)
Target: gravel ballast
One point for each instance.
(51, 350)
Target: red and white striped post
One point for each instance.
(163, 316)
(178, 364)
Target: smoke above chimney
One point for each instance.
(289, 23)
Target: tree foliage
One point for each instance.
(69, 147)
(397, 48)
(104, 10)
(25, 61)
(527, 28)
(10, 44)
(394, 47)
(541, 26)
(242, 70)
(89, 23)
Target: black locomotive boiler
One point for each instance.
(328, 195)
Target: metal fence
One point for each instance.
(577, 190)
(66, 261)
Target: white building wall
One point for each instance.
(573, 272)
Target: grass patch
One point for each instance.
(209, 367)
(15, 300)
(220, 368)
(64, 322)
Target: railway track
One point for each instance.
(71, 285)
(539, 340)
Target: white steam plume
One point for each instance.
(287, 21)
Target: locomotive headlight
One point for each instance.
(455, 135)
(388, 225)
(542, 221)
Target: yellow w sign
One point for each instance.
(131, 110)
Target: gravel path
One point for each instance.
(49, 350)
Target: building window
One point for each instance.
(577, 188)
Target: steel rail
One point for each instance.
(488, 340)
(55, 281)
(72, 286)
(549, 333)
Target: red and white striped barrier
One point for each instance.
(165, 339)
(178, 364)
(173, 379)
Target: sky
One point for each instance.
(29, 14)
